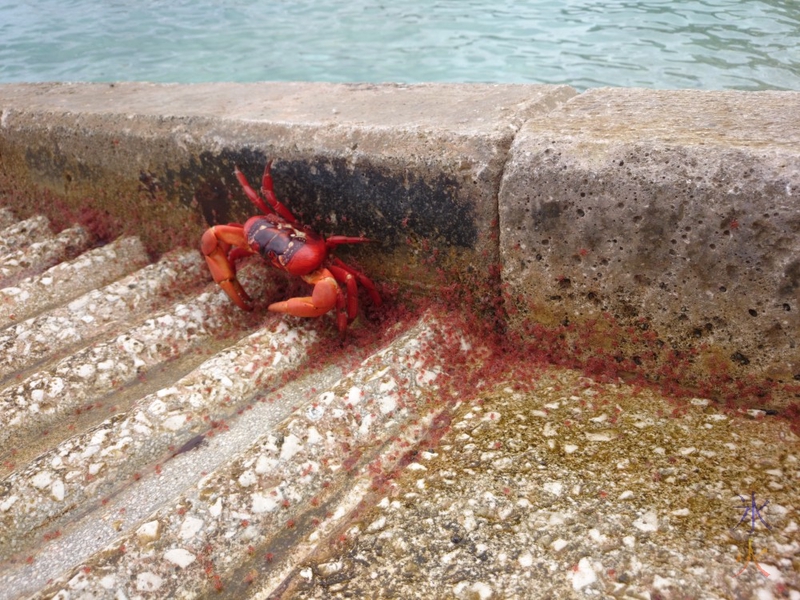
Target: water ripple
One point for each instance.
(706, 44)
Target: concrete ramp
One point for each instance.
(669, 214)
(162, 445)
(582, 382)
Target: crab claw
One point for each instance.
(214, 244)
(325, 296)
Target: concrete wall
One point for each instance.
(675, 212)
(395, 162)
(670, 217)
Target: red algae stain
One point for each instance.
(161, 224)
(25, 203)
(603, 349)
(468, 299)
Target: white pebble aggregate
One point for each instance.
(148, 582)
(180, 557)
(190, 527)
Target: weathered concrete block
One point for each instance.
(390, 161)
(675, 212)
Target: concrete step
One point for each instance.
(43, 254)
(171, 446)
(295, 454)
(69, 280)
(88, 316)
(24, 233)
(98, 376)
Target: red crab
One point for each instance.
(289, 246)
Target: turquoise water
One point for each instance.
(705, 44)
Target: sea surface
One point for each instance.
(701, 44)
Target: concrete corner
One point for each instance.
(676, 213)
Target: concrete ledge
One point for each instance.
(391, 161)
(674, 213)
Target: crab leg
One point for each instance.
(325, 296)
(215, 244)
(275, 205)
(336, 240)
(365, 281)
(343, 276)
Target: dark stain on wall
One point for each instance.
(333, 195)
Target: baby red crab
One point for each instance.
(289, 246)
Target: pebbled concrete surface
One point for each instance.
(242, 456)
(435, 465)
(572, 490)
(68, 280)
